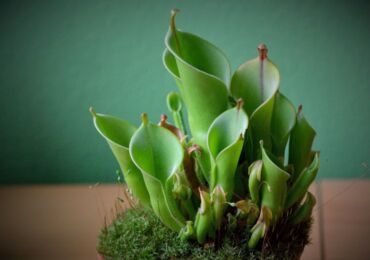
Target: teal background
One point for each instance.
(59, 57)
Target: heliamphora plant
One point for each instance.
(246, 160)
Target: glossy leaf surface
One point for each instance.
(302, 183)
(158, 154)
(225, 142)
(118, 133)
(256, 82)
(283, 120)
(274, 188)
(300, 143)
(202, 74)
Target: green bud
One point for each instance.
(204, 225)
(255, 171)
(257, 233)
(218, 199)
(187, 231)
(260, 228)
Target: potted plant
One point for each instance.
(232, 182)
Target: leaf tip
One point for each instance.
(144, 118)
(204, 201)
(172, 19)
(92, 111)
(163, 120)
(239, 104)
(300, 108)
(219, 193)
(262, 50)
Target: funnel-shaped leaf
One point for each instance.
(256, 82)
(283, 120)
(274, 188)
(158, 154)
(118, 133)
(202, 73)
(301, 184)
(301, 139)
(225, 143)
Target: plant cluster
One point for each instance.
(138, 233)
(242, 162)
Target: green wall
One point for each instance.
(59, 57)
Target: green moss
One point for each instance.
(139, 234)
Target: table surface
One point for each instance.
(63, 221)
